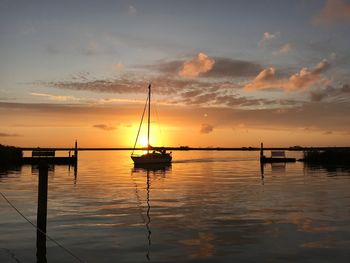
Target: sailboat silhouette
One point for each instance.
(154, 155)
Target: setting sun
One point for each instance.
(143, 141)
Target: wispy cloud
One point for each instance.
(322, 116)
(4, 134)
(285, 48)
(55, 97)
(123, 85)
(200, 64)
(331, 92)
(206, 128)
(301, 80)
(185, 91)
(104, 127)
(333, 12)
(267, 37)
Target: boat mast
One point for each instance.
(149, 115)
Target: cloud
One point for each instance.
(285, 48)
(321, 67)
(104, 127)
(132, 10)
(334, 12)
(55, 97)
(324, 116)
(330, 92)
(196, 66)
(226, 67)
(122, 85)
(4, 134)
(306, 78)
(303, 79)
(206, 128)
(184, 91)
(223, 67)
(266, 75)
(267, 37)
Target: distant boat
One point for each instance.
(154, 155)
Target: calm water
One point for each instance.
(207, 207)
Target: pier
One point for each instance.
(49, 156)
(277, 156)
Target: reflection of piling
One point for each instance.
(42, 213)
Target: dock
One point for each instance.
(277, 156)
(48, 156)
(49, 160)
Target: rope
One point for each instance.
(138, 132)
(42, 232)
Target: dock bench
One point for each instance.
(43, 153)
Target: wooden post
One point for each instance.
(76, 149)
(261, 150)
(42, 212)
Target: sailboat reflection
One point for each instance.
(154, 167)
(153, 171)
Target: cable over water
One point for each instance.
(38, 229)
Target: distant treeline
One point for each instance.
(334, 156)
(10, 155)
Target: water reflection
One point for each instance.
(277, 169)
(154, 170)
(331, 169)
(6, 170)
(53, 167)
(158, 167)
(216, 211)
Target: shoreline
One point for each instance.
(187, 148)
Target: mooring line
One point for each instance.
(42, 232)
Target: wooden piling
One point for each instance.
(76, 149)
(42, 212)
(261, 150)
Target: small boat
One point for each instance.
(154, 155)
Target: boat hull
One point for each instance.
(152, 158)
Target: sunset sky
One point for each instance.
(224, 73)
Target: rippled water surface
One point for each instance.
(207, 207)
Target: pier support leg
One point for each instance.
(42, 213)
(76, 149)
(261, 150)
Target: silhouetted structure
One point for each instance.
(277, 156)
(49, 156)
(158, 155)
(332, 156)
(42, 213)
(10, 155)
